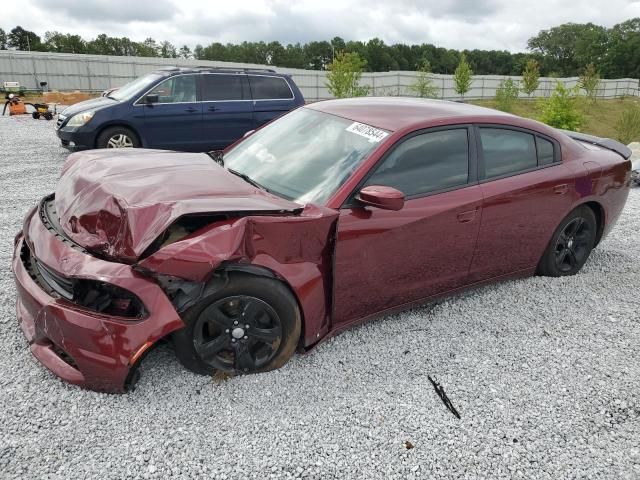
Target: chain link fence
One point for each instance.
(94, 73)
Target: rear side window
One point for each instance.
(221, 87)
(269, 88)
(426, 163)
(545, 151)
(178, 89)
(507, 151)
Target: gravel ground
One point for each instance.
(544, 372)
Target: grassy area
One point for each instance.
(600, 117)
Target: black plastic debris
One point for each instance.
(443, 397)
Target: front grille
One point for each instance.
(51, 282)
(60, 121)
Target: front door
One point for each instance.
(385, 258)
(175, 121)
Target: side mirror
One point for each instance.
(149, 99)
(386, 198)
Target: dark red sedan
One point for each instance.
(333, 214)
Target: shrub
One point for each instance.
(506, 95)
(344, 76)
(424, 87)
(628, 125)
(589, 81)
(560, 110)
(463, 76)
(531, 77)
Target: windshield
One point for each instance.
(304, 156)
(132, 88)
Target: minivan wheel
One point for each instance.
(570, 245)
(117, 137)
(252, 324)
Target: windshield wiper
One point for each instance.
(247, 179)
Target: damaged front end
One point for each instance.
(106, 267)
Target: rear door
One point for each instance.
(227, 108)
(272, 96)
(175, 121)
(527, 191)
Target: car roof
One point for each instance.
(397, 113)
(206, 69)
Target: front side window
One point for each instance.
(178, 89)
(217, 87)
(507, 151)
(305, 155)
(426, 163)
(269, 88)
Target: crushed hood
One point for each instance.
(115, 203)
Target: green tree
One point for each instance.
(64, 43)
(531, 77)
(423, 86)
(167, 50)
(185, 52)
(344, 76)
(3, 39)
(22, 39)
(560, 110)
(148, 48)
(463, 76)
(506, 95)
(589, 81)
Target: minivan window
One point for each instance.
(426, 163)
(221, 87)
(269, 88)
(178, 89)
(135, 87)
(507, 151)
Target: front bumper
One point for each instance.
(76, 140)
(80, 346)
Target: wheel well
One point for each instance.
(265, 272)
(598, 211)
(114, 125)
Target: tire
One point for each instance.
(570, 245)
(35, 115)
(48, 116)
(212, 342)
(117, 137)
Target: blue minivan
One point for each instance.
(189, 109)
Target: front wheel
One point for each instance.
(570, 245)
(117, 137)
(252, 324)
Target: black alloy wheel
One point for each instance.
(240, 333)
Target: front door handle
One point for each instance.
(561, 189)
(466, 217)
(191, 110)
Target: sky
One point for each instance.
(459, 24)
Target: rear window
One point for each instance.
(269, 88)
(221, 87)
(545, 151)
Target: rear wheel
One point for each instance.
(571, 244)
(117, 137)
(250, 325)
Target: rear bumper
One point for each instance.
(80, 346)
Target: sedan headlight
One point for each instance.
(80, 119)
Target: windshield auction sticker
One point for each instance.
(374, 135)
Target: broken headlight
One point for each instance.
(107, 299)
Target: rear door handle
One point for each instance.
(212, 108)
(466, 217)
(561, 189)
(191, 110)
